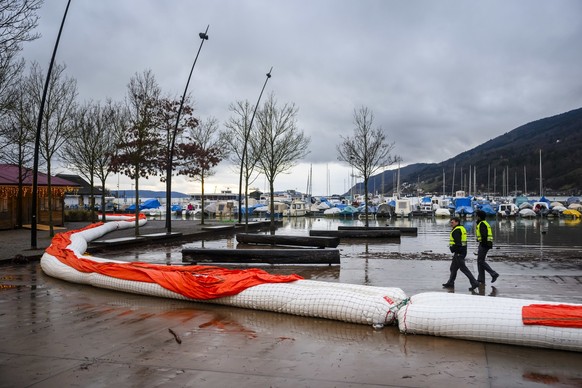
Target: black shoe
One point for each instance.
(494, 277)
(448, 285)
(473, 286)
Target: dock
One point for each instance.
(403, 229)
(112, 242)
(268, 256)
(357, 233)
(219, 227)
(277, 239)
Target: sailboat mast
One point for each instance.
(524, 181)
(443, 182)
(470, 180)
(398, 181)
(495, 180)
(475, 179)
(488, 179)
(541, 192)
(453, 186)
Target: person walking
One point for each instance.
(485, 239)
(458, 246)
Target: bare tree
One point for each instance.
(17, 143)
(112, 123)
(139, 147)
(57, 116)
(18, 18)
(80, 151)
(281, 143)
(203, 148)
(238, 132)
(92, 148)
(367, 151)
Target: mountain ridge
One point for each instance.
(506, 164)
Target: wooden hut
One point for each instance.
(16, 197)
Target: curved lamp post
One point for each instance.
(244, 154)
(33, 221)
(203, 36)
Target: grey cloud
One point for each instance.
(441, 77)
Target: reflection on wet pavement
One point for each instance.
(57, 333)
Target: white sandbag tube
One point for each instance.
(480, 318)
(369, 305)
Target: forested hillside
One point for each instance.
(514, 155)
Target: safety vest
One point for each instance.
(489, 232)
(463, 235)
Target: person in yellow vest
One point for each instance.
(485, 239)
(458, 246)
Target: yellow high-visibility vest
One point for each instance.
(489, 231)
(463, 235)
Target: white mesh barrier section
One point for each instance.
(353, 303)
(481, 318)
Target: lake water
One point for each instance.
(518, 239)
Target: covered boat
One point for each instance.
(507, 210)
(147, 204)
(463, 206)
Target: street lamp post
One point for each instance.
(352, 181)
(244, 154)
(203, 36)
(33, 221)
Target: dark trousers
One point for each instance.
(482, 265)
(457, 264)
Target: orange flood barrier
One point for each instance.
(560, 315)
(196, 281)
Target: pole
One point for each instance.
(541, 186)
(244, 154)
(33, 222)
(203, 36)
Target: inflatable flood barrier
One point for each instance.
(343, 302)
(468, 317)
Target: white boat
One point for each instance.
(541, 208)
(222, 209)
(332, 212)
(298, 208)
(427, 208)
(403, 207)
(507, 210)
(192, 209)
(279, 208)
(442, 212)
(527, 213)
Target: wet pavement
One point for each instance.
(54, 333)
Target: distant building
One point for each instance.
(80, 198)
(14, 213)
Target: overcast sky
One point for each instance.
(441, 77)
